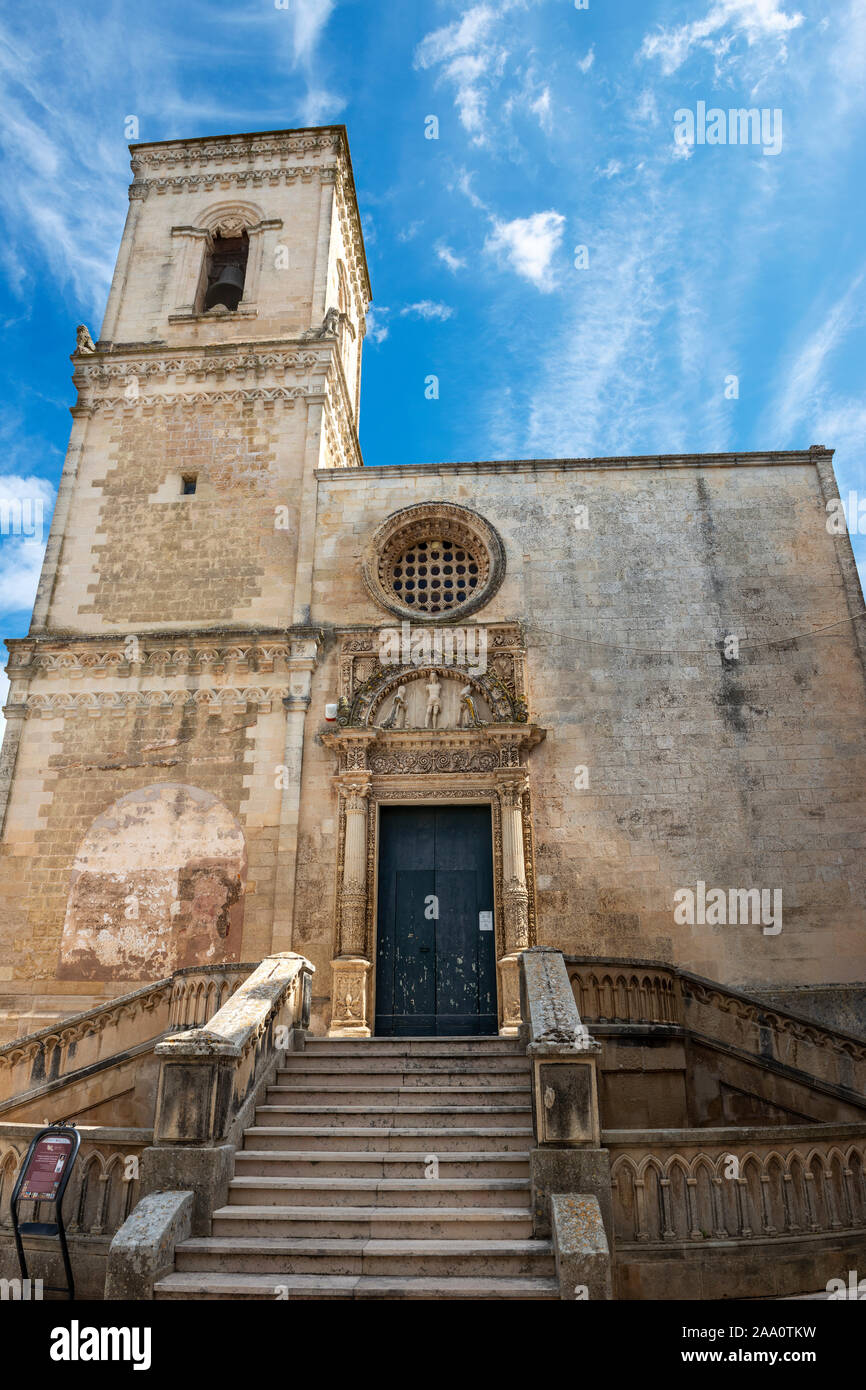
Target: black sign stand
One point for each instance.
(49, 1187)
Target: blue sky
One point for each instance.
(556, 130)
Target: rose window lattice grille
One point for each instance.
(434, 559)
(435, 575)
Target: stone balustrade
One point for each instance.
(197, 993)
(84, 1040)
(104, 1185)
(629, 992)
(40, 1062)
(624, 991)
(208, 1073)
(691, 1186)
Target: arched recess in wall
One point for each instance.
(157, 883)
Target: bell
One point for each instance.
(227, 289)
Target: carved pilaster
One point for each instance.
(188, 267)
(509, 994)
(300, 664)
(515, 893)
(349, 997)
(354, 789)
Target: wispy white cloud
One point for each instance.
(752, 20)
(586, 62)
(528, 245)
(427, 309)
(308, 18)
(801, 388)
(410, 231)
(25, 515)
(20, 568)
(377, 324)
(542, 107)
(449, 257)
(471, 57)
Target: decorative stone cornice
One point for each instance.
(240, 178)
(169, 653)
(120, 701)
(222, 660)
(499, 749)
(269, 147)
(238, 362)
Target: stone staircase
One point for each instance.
(333, 1197)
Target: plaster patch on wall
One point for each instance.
(157, 884)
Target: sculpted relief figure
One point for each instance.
(397, 718)
(468, 716)
(434, 708)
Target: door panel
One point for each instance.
(435, 967)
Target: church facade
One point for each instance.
(274, 699)
(437, 881)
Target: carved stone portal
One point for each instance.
(379, 764)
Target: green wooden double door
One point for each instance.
(435, 951)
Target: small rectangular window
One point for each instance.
(187, 484)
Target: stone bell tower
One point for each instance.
(165, 679)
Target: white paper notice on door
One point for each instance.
(485, 921)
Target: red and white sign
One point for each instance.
(46, 1168)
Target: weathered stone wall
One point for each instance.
(136, 553)
(139, 836)
(739, 773)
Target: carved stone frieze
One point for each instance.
(237, 364)
(96, 663)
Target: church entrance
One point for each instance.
(435, 949)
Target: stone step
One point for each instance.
(393, 1078)
(412, 1047)
(398, 1139)
(379, 1192)
(499, 1258)
(349, 1164)
(382, 1223)
(384, 1092)
(302, 1064)
(375, 1116)
(310, 1286)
